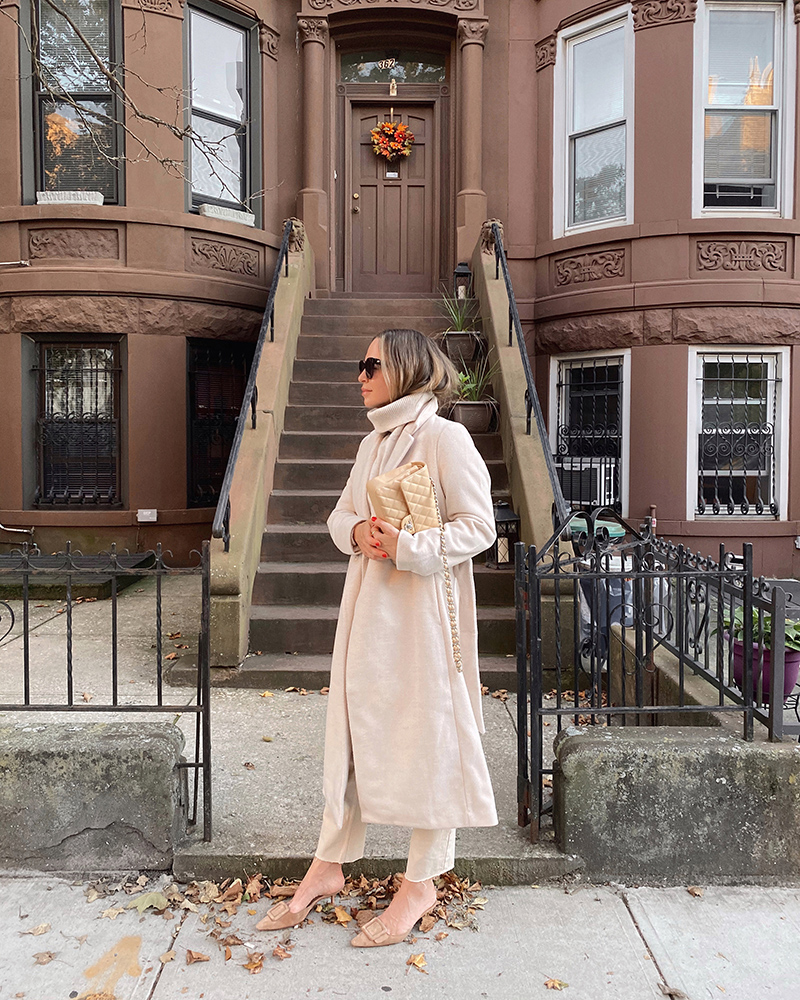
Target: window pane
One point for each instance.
(738, 145)
(403, 65)
(741, 57)
(76, 148)
(68, 64)
(216, 160)
(218, 72)
(598, 80)
(598, 176)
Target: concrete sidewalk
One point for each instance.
(604, 943)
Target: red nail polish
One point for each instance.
(374, 519)
(385, 556)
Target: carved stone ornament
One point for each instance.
(90, 244)
(487, 236)
(796, 11)
(313, 29)
(472, 32)
(652, 13)
(224, 257)
(741, 255)
(268, 40)
(159, 6)
(590, 267)
(457, 5)
(546, 52)
(297, 237)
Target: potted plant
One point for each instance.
(762, 634)
(474, 407)
(461, 341)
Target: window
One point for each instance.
(593, 101)
(75, 111)
(217, 379)
(738, 422)
(219, 69)
(588, 429)
(402, 65)
(78, 424)
(742, 93)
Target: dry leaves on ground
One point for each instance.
(149, 900)
(249, 765)
(555, 984)
(267, 694)
(195, 956)
(166, 957)
(694, 890)
(282, 951)
(112, 912)
(44, 957)
(254, 963)
(417, 962)
(36, 931)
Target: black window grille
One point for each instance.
(738, 400)
(78, 430)
(589, 431)
(217, 379)
(76, 112)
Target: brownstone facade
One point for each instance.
(672, 281)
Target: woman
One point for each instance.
(402, 743)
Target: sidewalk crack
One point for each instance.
(153, 988)
(666, 989)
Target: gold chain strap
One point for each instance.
(448, 584)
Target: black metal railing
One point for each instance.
(222, 518)
(532, 406)
(600, 621)
(26, 572)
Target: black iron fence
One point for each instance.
(26, 575)
(638, 631)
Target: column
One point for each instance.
(268, 46)
(471, 198)
(312, 201)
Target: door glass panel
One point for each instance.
(402, 65)
(598, 94)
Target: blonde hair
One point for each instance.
(412, 362)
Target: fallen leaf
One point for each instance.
(228, 954)
(87, 696)
(267, 694)
(694, 890)
(233, 892)
(441, 936)
(252, 912)
(44, 957)
(291, 689)
(174, 635)
(142, 880)
(232, 941)
(555, 984)
(418, 961)
(222, 923)
(195, 956)
(342, 916)
(427, 922)
(501, 694)
(37, 931)
(187, 904)
(180, 645)
(324, 690)
(255, 961)
(92, 894)
(249, 765)
(479, 902)
(721, 989)
(113, 912)
(149, 899)
(254, 888)
(166, 957)
(267, 739)
(672, 991)
(172, 656)
(168, 915)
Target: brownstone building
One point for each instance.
(642, 158)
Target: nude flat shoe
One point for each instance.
(280, 916)
(375, 933)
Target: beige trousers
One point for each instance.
(430, 852)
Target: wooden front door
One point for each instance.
(391, 206)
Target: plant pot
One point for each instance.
(462, 346)
(791, 669)
(475, 416)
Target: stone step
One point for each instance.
(325, 371)
(331, 474)
(369, 326)
(344, 444)
(327, 418)
(301, 506)
(301, 629)
(336, 347)
(380, 306)
(321, 583)
(272, 671)
(326, 393)
(299, 543)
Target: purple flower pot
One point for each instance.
(791, 669)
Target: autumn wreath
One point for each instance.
(392, 140)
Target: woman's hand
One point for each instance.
(367, 544)
(385, 536)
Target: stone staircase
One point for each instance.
(300, 578)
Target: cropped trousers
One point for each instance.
(430, 852)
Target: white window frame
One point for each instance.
(562, 101)
(782, 356)
(786, 73)
(624, 354)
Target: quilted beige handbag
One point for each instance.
(406, 498)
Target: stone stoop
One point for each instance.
(299, 581)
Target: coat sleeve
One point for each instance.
(343, 517)
(465, 483)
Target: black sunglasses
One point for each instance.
(369, 365)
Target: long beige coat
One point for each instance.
(396, 701)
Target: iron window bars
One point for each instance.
(78, 425)
(76, 150)
(588, 446)
(738, 407)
